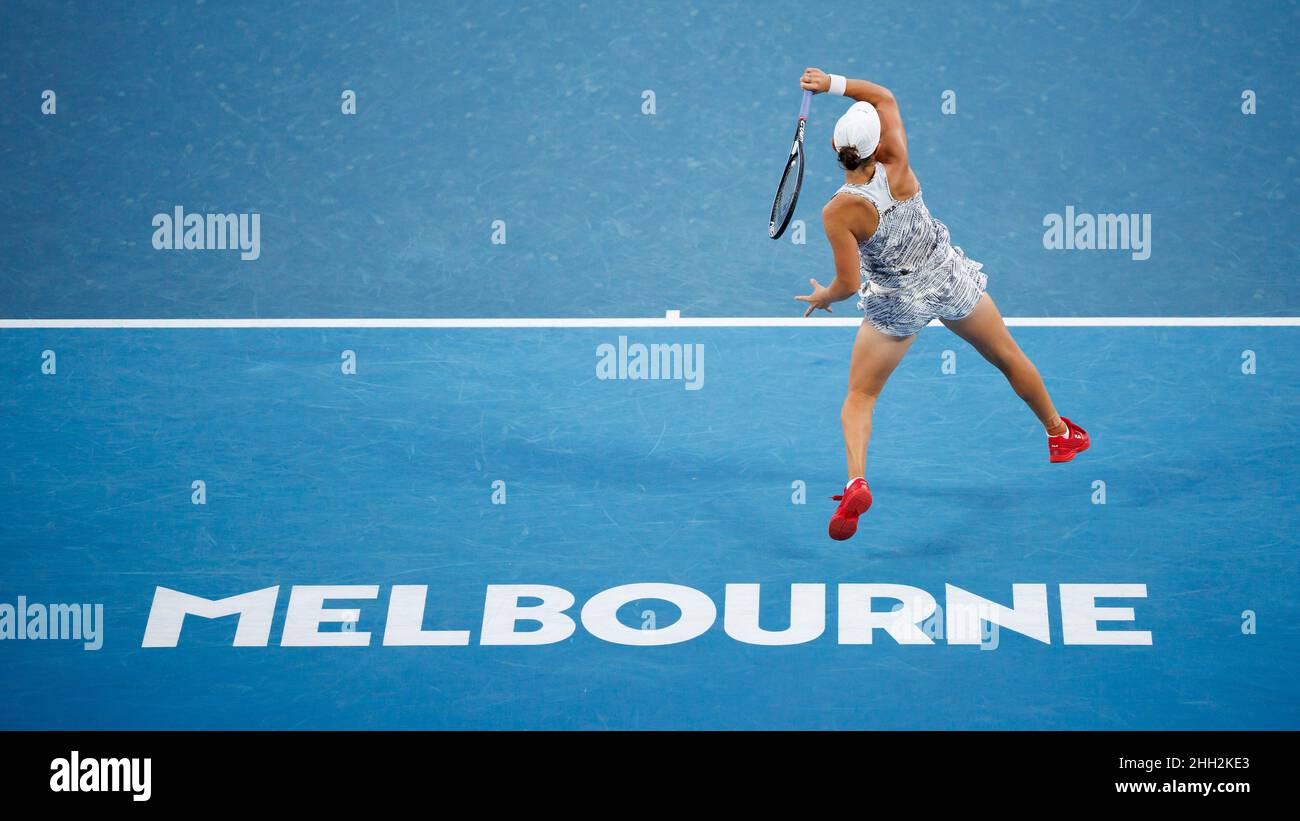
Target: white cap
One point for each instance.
(860, 128)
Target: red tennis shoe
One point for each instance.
(853, 503)
(1063, 448)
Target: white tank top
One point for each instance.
(908, 239)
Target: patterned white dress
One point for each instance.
(911, 272)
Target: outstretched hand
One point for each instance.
(817, 299)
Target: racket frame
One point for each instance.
(796, 152)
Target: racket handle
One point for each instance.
(803, 107)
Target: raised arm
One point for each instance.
(893, 138)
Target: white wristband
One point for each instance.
(838, 83)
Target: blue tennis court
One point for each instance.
(410, 412)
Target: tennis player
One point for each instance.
(898, 260)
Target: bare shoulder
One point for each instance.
(856, 214)
(903, 183)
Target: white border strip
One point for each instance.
(669, 321)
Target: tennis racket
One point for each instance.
(787, 193)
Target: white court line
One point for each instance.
(650, 322)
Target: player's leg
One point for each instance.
(875, 355)
(984, 329)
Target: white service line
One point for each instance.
(648, 322)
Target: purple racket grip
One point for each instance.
(803, 107)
